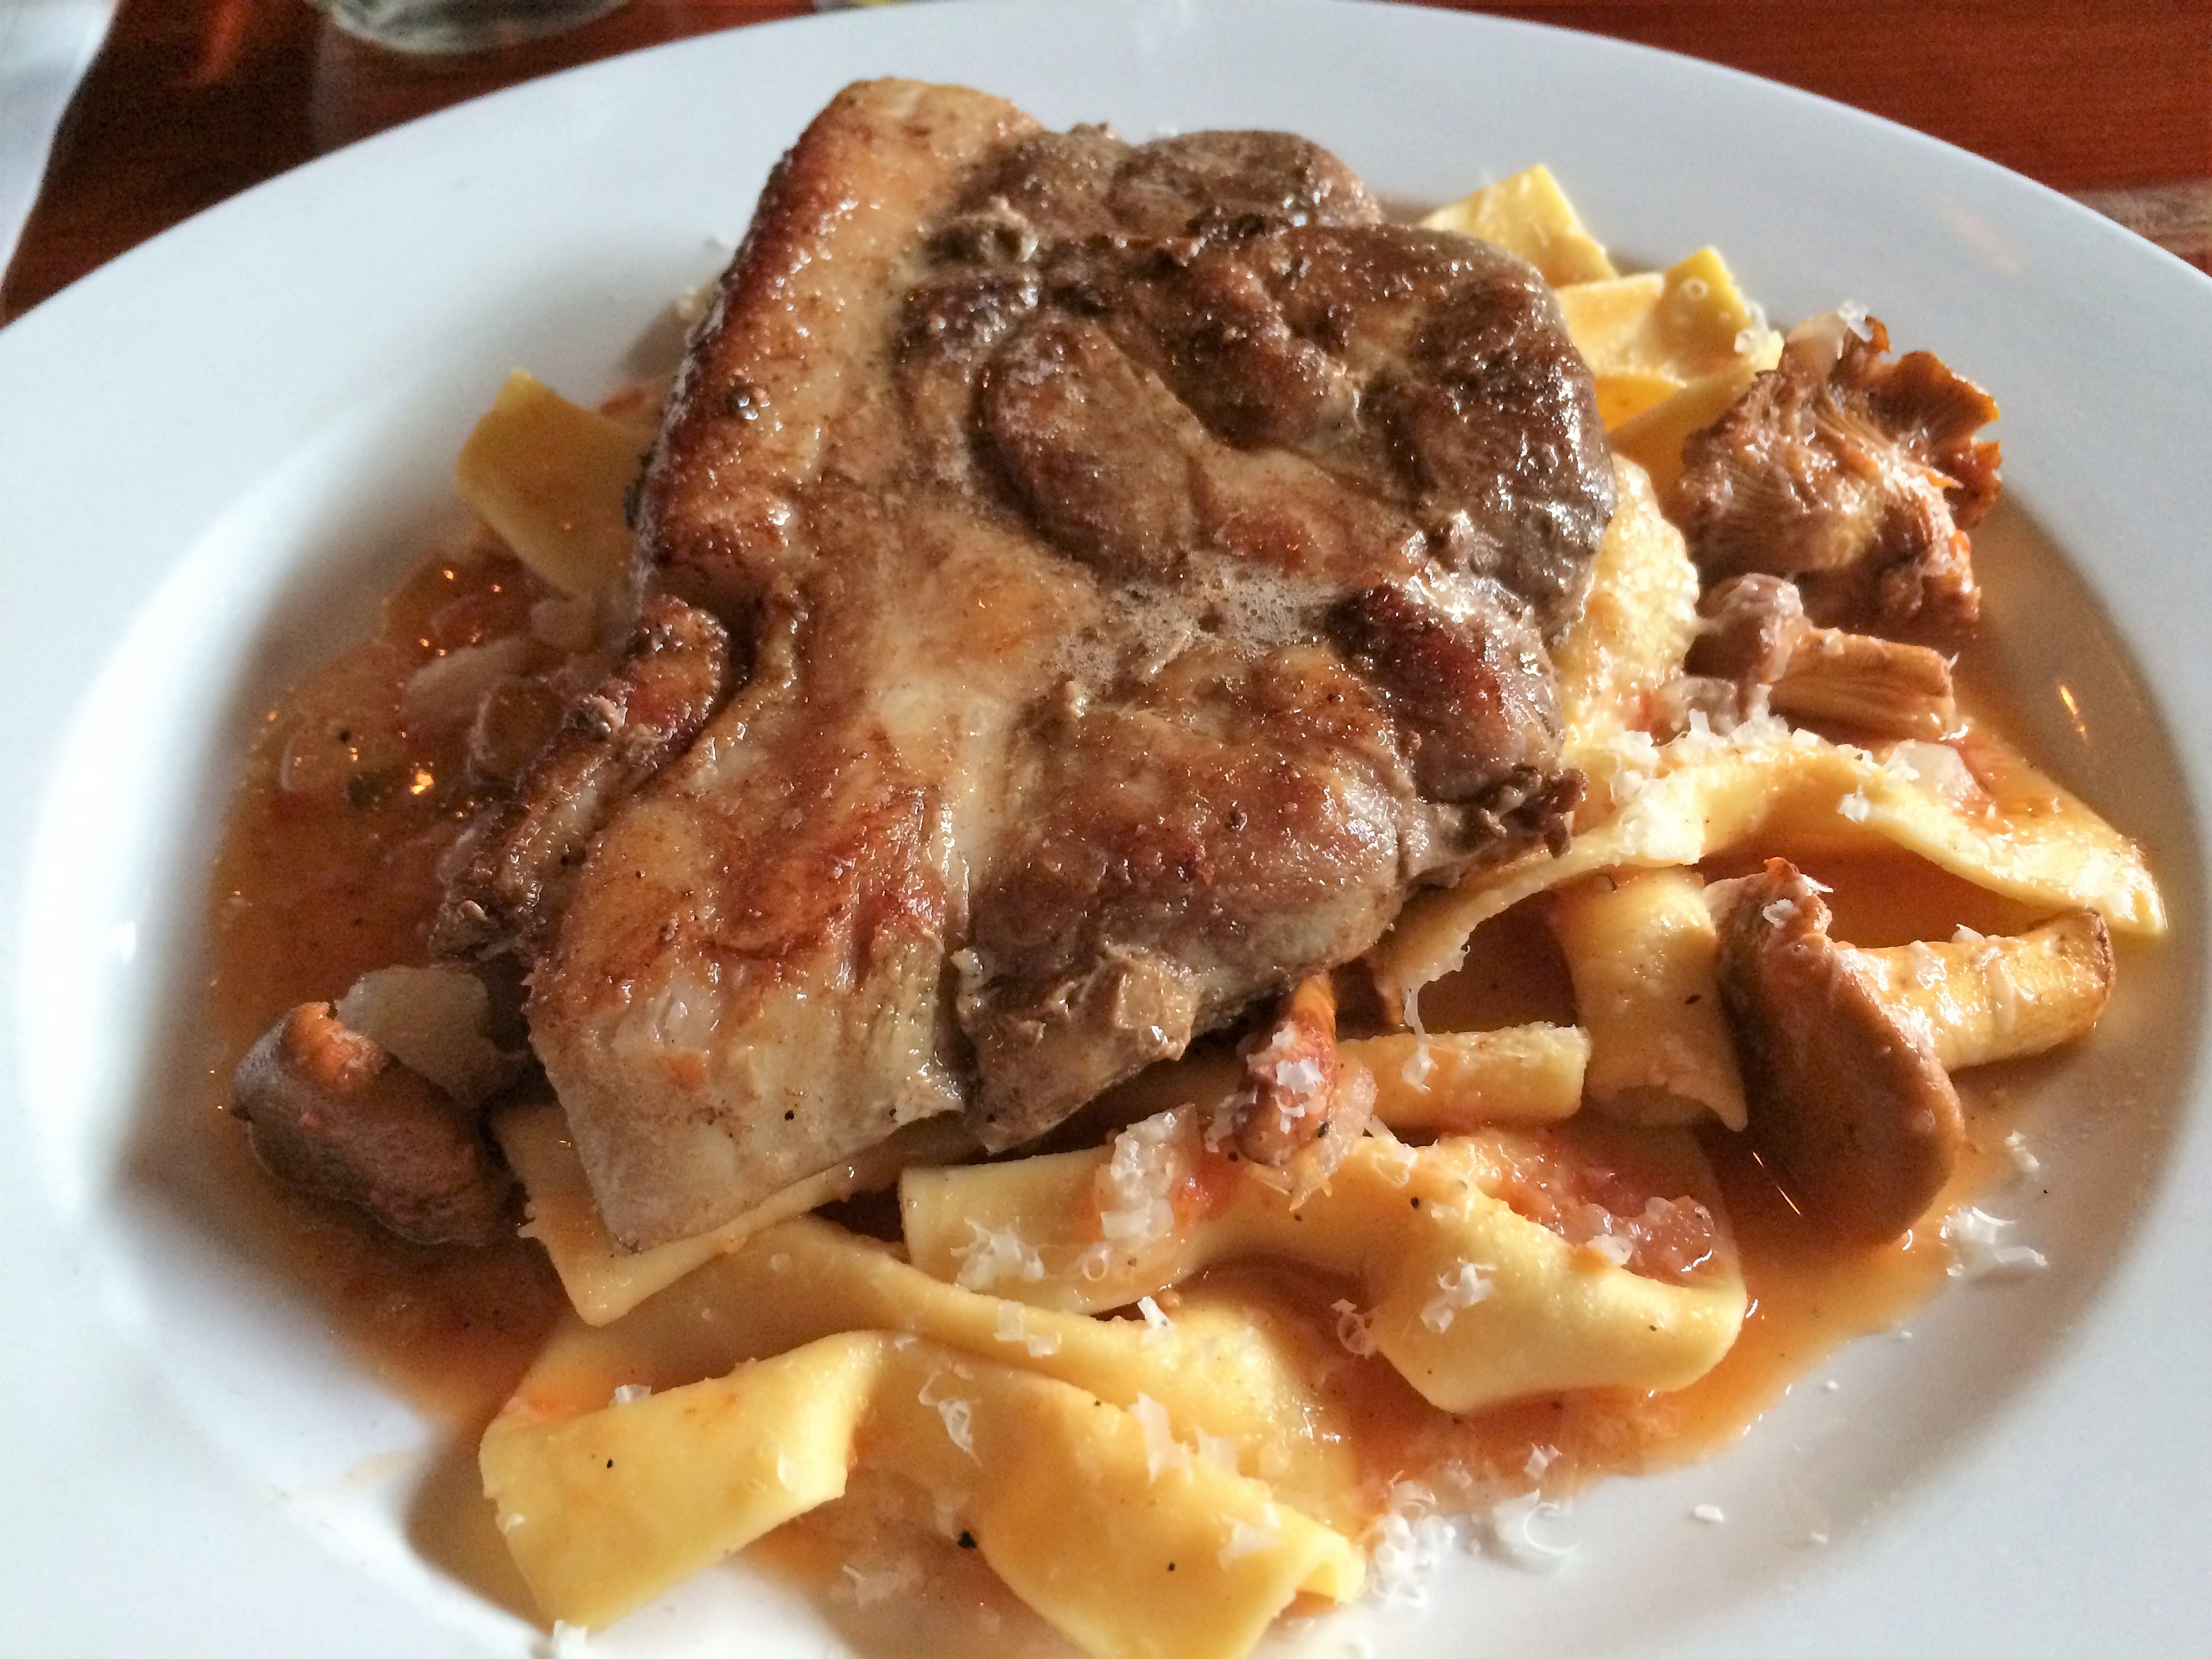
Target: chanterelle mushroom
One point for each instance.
(1759, 644)
(1844, 1095)
(1847, 1053)
(1858, 477)
(1985, 1000)
(333, 1113)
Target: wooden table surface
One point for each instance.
(192, 100)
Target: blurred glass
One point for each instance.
(449, 26)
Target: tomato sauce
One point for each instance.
(330, 868)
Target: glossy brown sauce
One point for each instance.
(328, 869)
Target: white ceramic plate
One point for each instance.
(215, 450)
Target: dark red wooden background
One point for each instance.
(194, 100)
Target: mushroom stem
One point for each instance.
(1877, 685)
(1985, 999)
(1757, 633)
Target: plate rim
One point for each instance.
(120, 280)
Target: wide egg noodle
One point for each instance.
(551, 479)
(1403, 1222)
(2019, 834)
(1448, 1081)
(1644, 952)
(1434, 1081)
(1126, 1549)
(603, 1281)
(1653, 438)
(1648, 336)
(781, 1355)
(1231, 1370)
(1529, 215)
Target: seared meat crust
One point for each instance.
(516, 861)
(1147, 554)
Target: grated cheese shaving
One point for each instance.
(1420, 1062)
(1458, 1287)
(1218, 1450)
(2025, 1161)
(1394, 1158)
(1936, 768)
(1163, 1451)
(1354, 1329)
(1136, 1211)
(1614, 1248)
(1222, 1120)
(959, 1424)
(1977, 1250)
(2006, 993)
(1301, 1080)
(1245, 1539)
(1410, 1542)
(1519, 1528)
(1708, 1513)
(902, 1578)
(1856, 806)
(630, 1391)
(992, 1256)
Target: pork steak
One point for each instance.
(1145, 556)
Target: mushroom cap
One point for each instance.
(1845, 1094)
(1754, 624)
(1857, 475)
